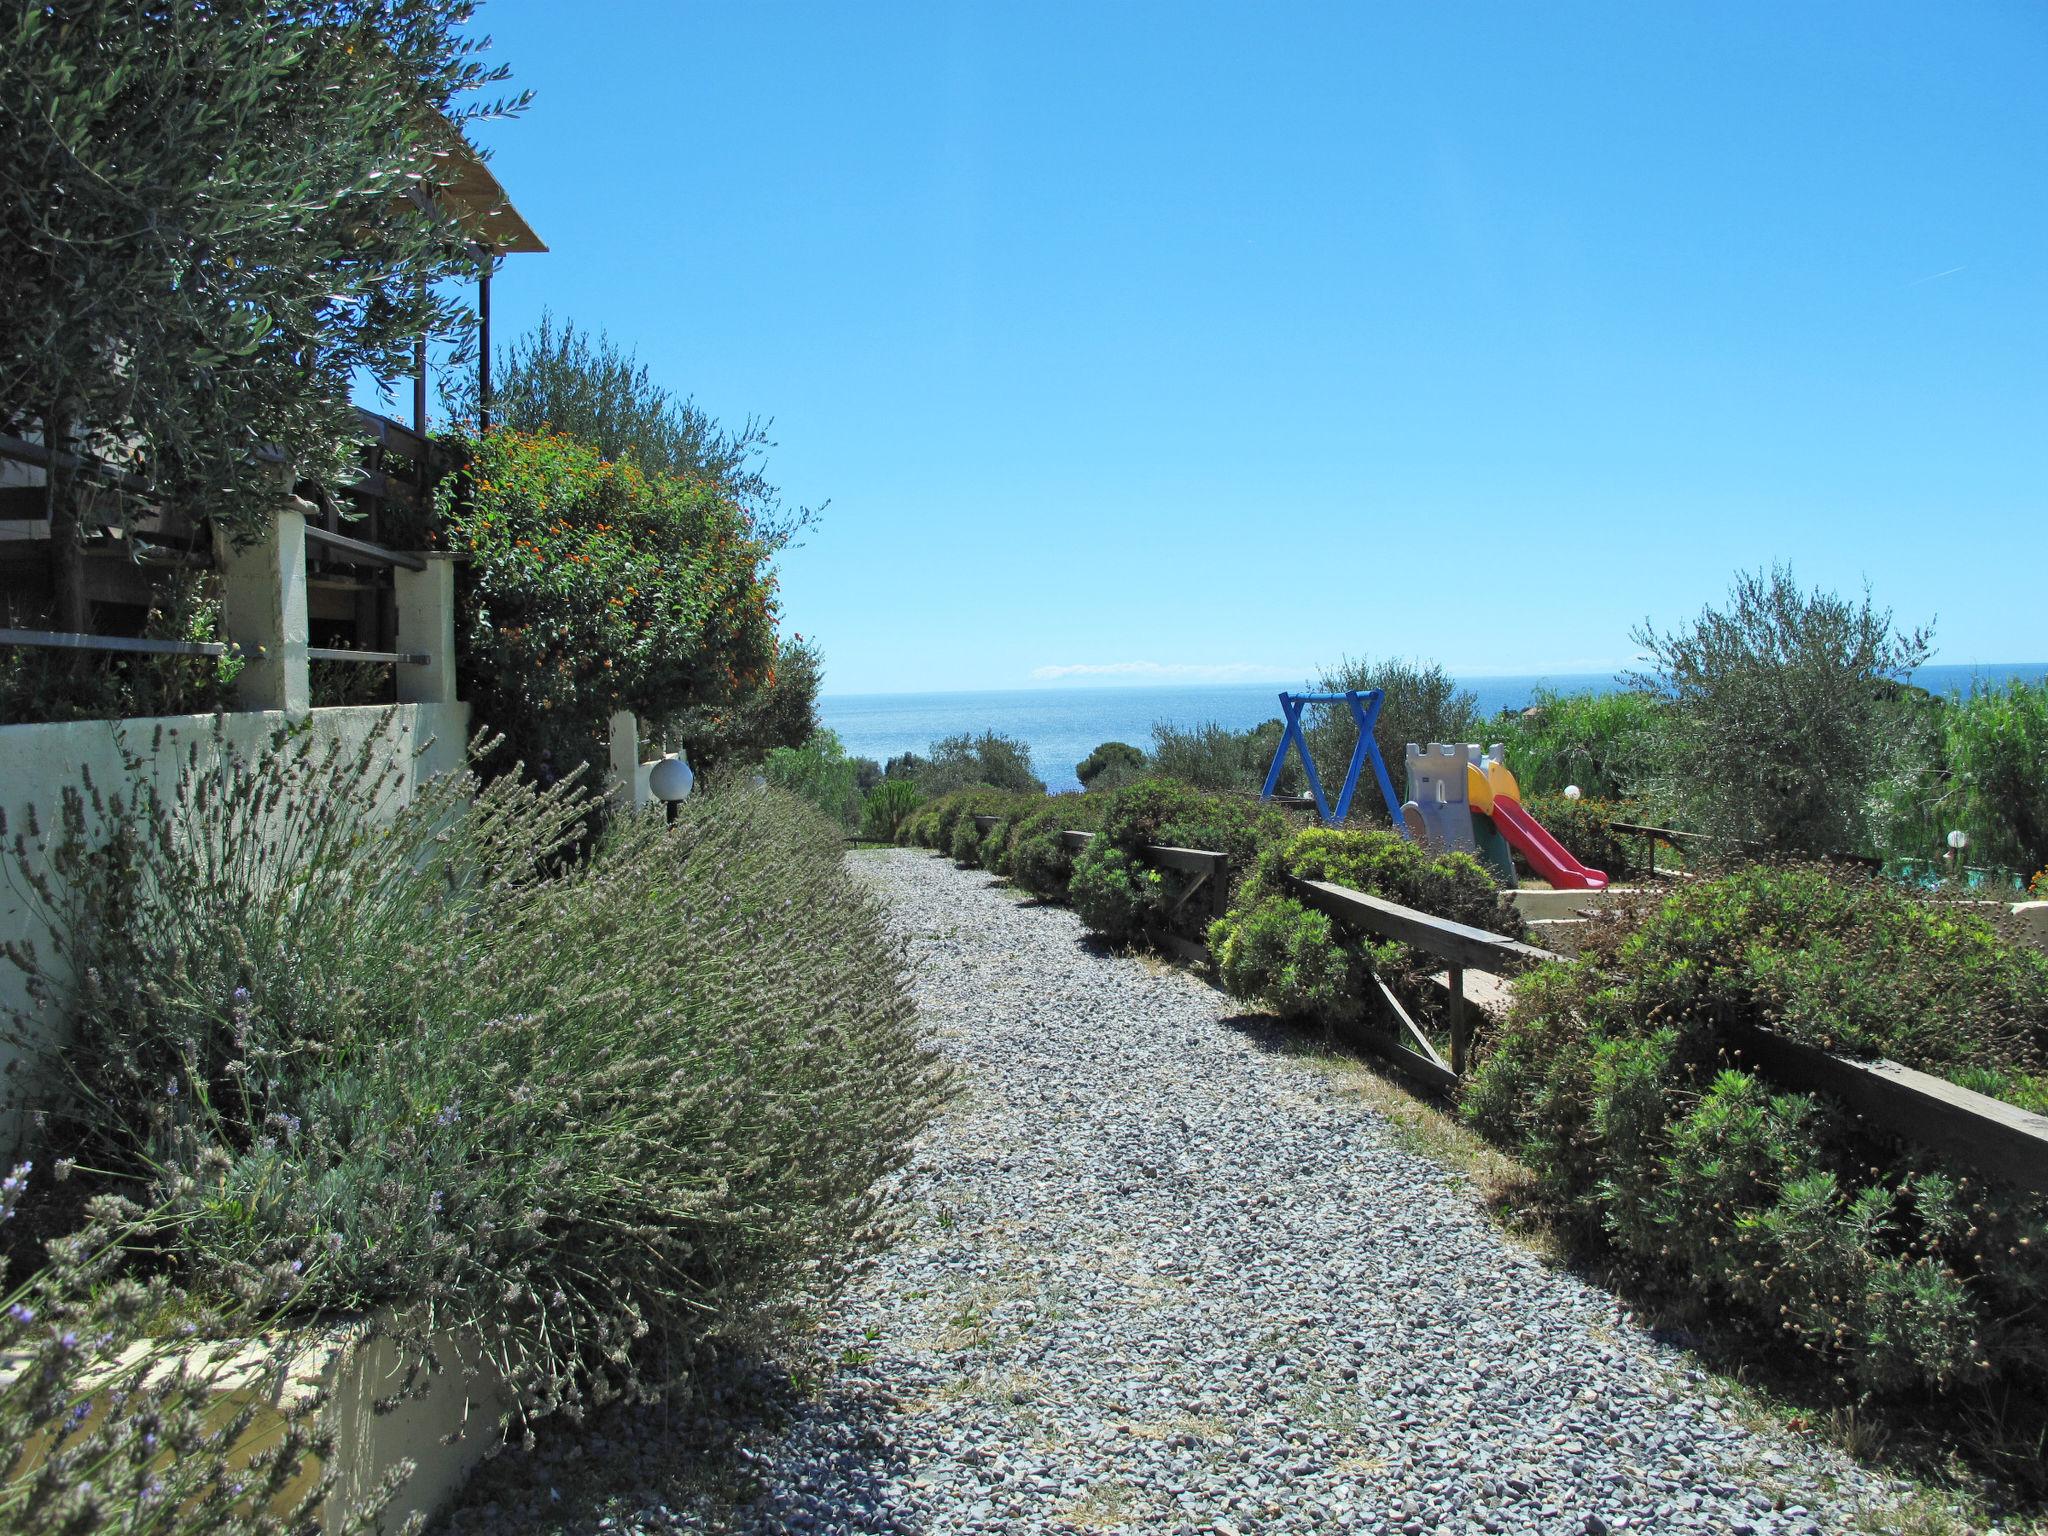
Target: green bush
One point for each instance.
(1606, 743)
(1858, 966)
(1996, 746)
(1114, 763)
(1273, 951)
(1118, 895)
(1039, 859)
(1213, 757)
(1785, 714)
(1586, 828)
(592, 587)
(1608, 1079)
(819, 771)
(887, 806)
(991, 759)
(1721, 1190)
(608, 1111)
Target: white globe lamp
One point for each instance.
(670, 779)
(1571, 791)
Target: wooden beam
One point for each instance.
(1455, 943)
(1999, 1139)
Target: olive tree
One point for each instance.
(217, 218)
(1785, 712)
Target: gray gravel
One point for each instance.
(1167, 1275)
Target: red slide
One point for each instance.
(1546, 855)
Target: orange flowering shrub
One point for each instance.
(594, 587)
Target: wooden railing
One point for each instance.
(2002, 1141)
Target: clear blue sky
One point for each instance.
(1231, 337)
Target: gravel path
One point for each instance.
(1168, 1276)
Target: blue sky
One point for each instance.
(1199, 342)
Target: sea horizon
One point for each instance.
(1063, 723)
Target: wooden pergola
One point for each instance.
(464, 187)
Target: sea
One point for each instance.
(1063, 725)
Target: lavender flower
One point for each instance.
(449, 1115)
(22, 1313)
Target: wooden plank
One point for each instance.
(1419, 1070)
(1414, 1033)
(1192, 861)
(983, 823)
(2002, 1141)
(1455, 943)
(1187, 949)
(1076, 841)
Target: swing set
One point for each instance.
(1365, 709)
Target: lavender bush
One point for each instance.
(609, 1109)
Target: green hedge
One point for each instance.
(1901, 1273)
(1273, 951)
(1038, 857)
(1119, 895)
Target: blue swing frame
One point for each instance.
(1365, 709)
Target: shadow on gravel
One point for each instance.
(702, 1464)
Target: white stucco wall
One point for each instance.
(39, 762)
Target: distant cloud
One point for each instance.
(1165, 672)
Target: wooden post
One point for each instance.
(67, 535)
(483, 345)
(1461, 1020)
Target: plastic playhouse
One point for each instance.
(1460, 798)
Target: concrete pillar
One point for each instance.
(263, 610)
(622, 776)
(426, 623)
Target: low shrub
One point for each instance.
(885, 809)
(1609, 1079)
(962, 761)
(1273, 951)
(1039, 859)
(609, 1111)
(969, 842)
(1855, 965)
(1586, 828)
(1110, 766)
(819, 771)
(1119, 895)
(1216, 758)
(1606, 743)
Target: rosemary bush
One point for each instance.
(607, 1110)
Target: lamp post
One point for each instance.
(1958, 840)
(670, 780)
